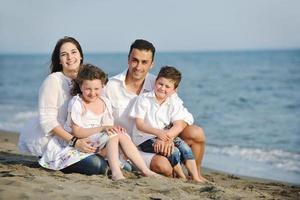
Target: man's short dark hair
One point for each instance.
(141, 44)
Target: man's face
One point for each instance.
(139, 64)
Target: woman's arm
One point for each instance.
(81, 144)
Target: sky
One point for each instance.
(34, 26)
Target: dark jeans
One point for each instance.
(94, 164)
(181, 152)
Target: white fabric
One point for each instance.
(86, 118)
(158, 116)
(58, 154)
(122, 101)
(54, 95)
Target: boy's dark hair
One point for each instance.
(170, 72)
(88, 72)
(141, 44)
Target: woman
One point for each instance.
(54, 96)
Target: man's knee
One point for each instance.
(161, 165)
(193, 133)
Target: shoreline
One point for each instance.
(21, 177)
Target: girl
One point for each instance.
(90, 115)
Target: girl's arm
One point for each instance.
(86, 132)
(142, 126)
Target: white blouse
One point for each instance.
(85, 118)
(54, 96)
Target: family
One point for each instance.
(88, 123)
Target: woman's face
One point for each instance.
(70, 59)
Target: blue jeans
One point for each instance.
(92, 165)
(181, 152)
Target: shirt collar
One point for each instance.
(147, 86)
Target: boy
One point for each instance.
(154, 112)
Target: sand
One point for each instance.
(22, 178)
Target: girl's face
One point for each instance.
(164, 88)
(70, 59)
(91, 90)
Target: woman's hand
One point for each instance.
(83, 145)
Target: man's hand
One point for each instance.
(163, 148)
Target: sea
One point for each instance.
(248, 103)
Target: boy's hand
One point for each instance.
(163, 136)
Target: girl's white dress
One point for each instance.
(58, 154)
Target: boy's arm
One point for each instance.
(176, 129)
(142, 126)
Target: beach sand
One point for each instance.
(22, 178)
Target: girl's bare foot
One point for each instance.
(151, 174)
(117, 177)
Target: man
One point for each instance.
(122, 91)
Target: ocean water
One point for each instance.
(247, 102)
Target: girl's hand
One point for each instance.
(83, 145)
(115, 130)
(121, 130)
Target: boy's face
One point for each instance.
(91, 90)
(164, 88)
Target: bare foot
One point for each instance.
(114, 178)
(151, 174)
(117, 177)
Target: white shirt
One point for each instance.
(158, 116)
(122, 100)
(54, 95)
(86, 118)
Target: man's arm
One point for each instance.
(176, 129)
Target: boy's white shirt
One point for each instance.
(158, 116)
(122, 101)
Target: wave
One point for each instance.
(14, 121)
(280, 159)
